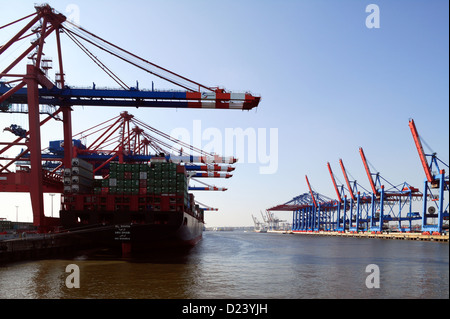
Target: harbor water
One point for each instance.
(245, 265)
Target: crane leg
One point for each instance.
(34, 145)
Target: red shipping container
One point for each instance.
(142, 183)
(164, 203)
(181, 169)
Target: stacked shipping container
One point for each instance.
(156, 186)
(79, 179)
(142, 179)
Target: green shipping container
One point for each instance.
(120, 175)
(173, 174)
(172, 189)
(156, 182)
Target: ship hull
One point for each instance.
(131, 232)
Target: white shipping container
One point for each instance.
(79, 171)
(78, 162)
(67, 181)
(80, 180)
(142, 175)
(113, 182)
(81, 189)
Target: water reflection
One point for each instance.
(161, 274)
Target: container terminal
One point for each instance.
(394, 211)
(131, 187)
(90, 178)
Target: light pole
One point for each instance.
(51, 195)
(17, 213)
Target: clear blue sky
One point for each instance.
(328, 84)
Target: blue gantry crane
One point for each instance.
(385, 206)
(436, 188)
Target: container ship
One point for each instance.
(135, 208)
(139, 200)
(127, 192)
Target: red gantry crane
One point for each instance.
(34, 88)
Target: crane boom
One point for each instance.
(369, 175)
(133, 98)
(334, 183)
(419, 147)
(346, 180)
(310, 190)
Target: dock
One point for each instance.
(43, 246)
(390, 235)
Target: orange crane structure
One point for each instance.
(34, 88)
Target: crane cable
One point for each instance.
(133, 59)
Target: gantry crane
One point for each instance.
(435, 181)
(316, 213)
(341, 204)
(374, 210)
(304, 217)
(397, 198)
(34, 88)
(122, 139)
(259, 227)
(353, 203)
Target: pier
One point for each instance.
(40, 247)
(44, 246)
(392, 235)
(398, 236)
